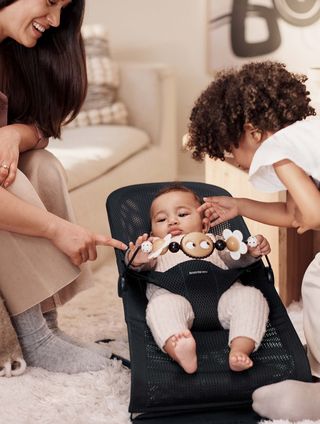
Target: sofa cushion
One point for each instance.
(89, 152)
(101, 105)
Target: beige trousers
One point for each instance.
(243, 310)
(311, 313)
(32, 269)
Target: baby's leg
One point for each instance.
(240, 349)
(182, 348)
(170, 317)
(244, 311)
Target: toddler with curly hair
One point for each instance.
(261, 115)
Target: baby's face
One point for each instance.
(175, 213)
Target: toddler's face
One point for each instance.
(243, 154)
(175, 213)
(249, 143)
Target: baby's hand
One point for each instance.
(262, 248)
(141, 257)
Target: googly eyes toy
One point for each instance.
(252, 241)
(146, 246)
(197, 245)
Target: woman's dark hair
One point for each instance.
(264, 94)
(46, 84)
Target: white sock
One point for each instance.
(41, 348)
(51, 318)
(291, 400)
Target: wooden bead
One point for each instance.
(233, 244)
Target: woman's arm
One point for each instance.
(30, 137)
(304, 194)
(78, 243)
(15, 139)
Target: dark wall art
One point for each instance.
(242, 30)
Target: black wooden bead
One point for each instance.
(174, 247)
(220, 244)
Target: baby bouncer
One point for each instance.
(161, 392)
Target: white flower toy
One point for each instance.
(234, 243)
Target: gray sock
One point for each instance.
(290, 400)
(41, 348)
(51, 318)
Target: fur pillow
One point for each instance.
(101, 105)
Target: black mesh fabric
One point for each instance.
(158, 384)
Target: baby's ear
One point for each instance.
(205, 226)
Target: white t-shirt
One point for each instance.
(299, 142)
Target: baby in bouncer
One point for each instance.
(242, 310)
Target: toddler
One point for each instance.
(260, 114)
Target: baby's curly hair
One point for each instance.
(264, 94)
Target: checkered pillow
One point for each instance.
(101, 105)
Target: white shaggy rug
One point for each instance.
(40, 397)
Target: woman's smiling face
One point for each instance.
(26, 20)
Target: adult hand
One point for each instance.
(78, 243)
(262, 248)
(218, 209)
(9, 154)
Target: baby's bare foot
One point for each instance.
(182, 348)
(239, 361)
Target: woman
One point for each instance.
(43, 85)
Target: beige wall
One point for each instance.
(170, 31)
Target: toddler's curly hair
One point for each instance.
(264, 94)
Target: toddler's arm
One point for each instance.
(218, 209)
(304, 194)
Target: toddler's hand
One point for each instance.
(262, 248)
(218, 209)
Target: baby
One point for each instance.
(241, 309)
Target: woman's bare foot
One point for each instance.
(182, 348)
(239, 361)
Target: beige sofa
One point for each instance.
(98, 159)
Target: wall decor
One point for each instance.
(239, 31)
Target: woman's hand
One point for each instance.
(141, 257)
(262, 248)
(218, 209)
(78, 243)
(9, 154)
